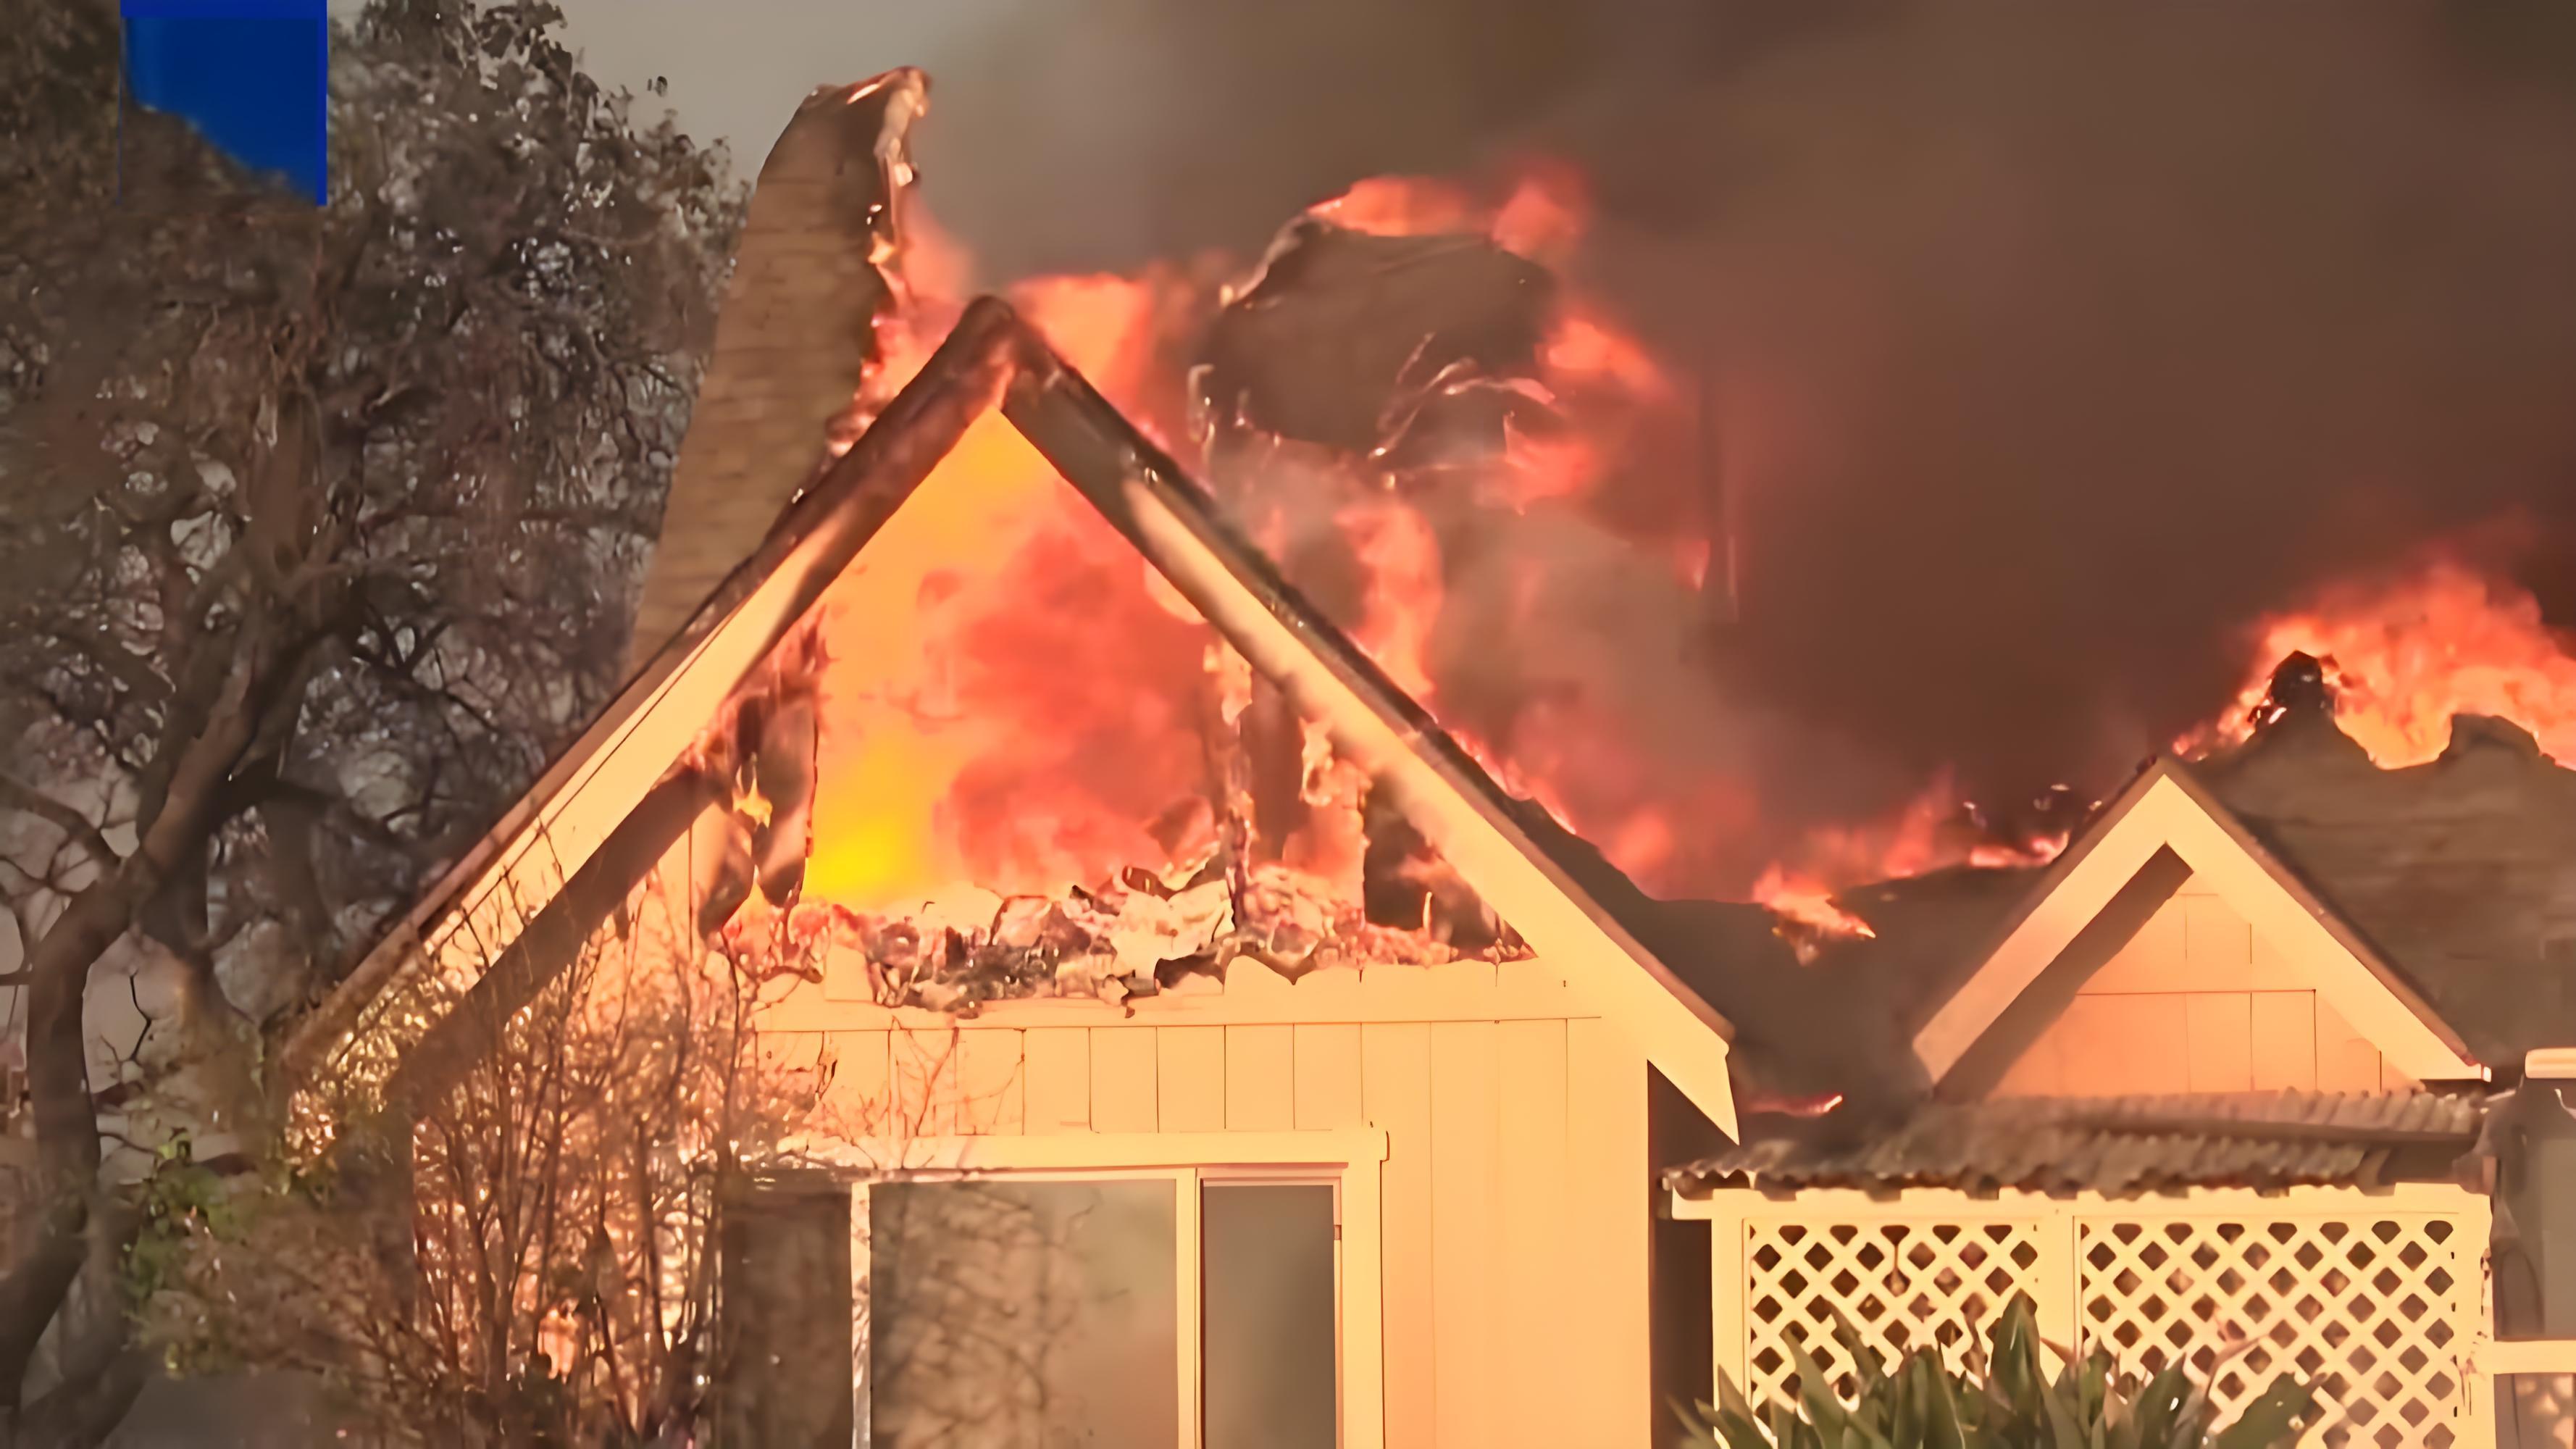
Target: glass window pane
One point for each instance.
(1023, 1315)
(1268, 1316)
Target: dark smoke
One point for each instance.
(2052, 344)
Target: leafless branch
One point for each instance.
(75, 826)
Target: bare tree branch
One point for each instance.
(18, 794)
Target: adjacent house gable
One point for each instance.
(612, 806)
(2168, 829)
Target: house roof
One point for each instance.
(2460, 873)
(1500, 846)
(2166, 827)
(2121, 1145)
(2452, 884)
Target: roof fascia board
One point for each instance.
(2167, 809)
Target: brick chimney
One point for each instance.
(793, 341)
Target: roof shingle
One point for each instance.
(2119, 1145)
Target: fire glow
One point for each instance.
(2403, 656)
(1016, 706)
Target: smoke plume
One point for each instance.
(2049, 345)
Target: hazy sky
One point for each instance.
(738, 67)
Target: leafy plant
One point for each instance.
(1923, 1404)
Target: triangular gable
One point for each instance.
(2164, 827)
(606, 809)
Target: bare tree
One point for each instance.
(318, 529)
(563, 1223)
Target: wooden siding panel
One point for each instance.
(2346, 1060)
(1395, 1084)
(924, 1101)
(1534, 1234)
(1328, 1078)
(2124, 1045)
(1465, 1122)
(2039, 1071)
(2151, 960)
(1123, 1093)
(1260, 1078)
(859, 1101)
(1057, 1078)
(2284, 1027)
(1189, 1078)
(990, 1096)
(1607, 1372)
(2221, 1029)
(2216, 938)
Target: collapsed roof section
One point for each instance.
(611, 807)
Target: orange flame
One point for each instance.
(2405, 656)
(1809, 902)
(1014, 702)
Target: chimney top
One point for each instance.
(2299, 686)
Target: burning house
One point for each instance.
(1131, 860)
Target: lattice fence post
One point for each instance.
(2057, 1298)
(1729, 1333)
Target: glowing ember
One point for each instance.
(1808, 902)
(2403, 657)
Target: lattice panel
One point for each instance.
(1900, 1284)
(2373, 1311)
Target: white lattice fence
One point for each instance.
(1900, 1284)
(2372, 1311)
(2373, 1299)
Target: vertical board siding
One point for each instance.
(1465, 1125)
(1513, 1208)
(990, 1093)
(856, 1103)
(924, 1100)
(2346, 1060)
(2284, 1025)
(1123, 1093)
(1058, 1078)
(1328, 1078)
(1189, 1078)
(1260, 1078)
(1604, 1343)
(1395, 1085)
(2221, 1028)
(1536, 1238)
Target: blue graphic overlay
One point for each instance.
(253, 76)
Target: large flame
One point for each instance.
(1015, 703)
(2404, 655)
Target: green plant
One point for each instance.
(1923, 1404)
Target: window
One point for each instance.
(1042, 1310)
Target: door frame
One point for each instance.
(1351, 1159)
